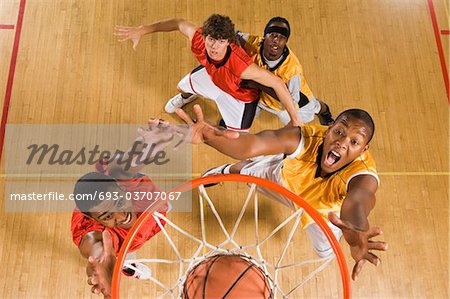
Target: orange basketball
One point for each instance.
(226, 276)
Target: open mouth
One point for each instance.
(332, 158)
(274, 48)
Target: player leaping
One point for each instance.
(223, 66)
(329, 167)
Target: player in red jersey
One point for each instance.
(223, 66)
(104, 215)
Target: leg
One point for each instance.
(324, 114)
(266, 167)
(320, 243)
(237, 115)
(193, 84)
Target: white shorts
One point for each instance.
(306, 112)
(237, 115)
(269, 168)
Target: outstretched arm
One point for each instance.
(266, 78)
(135, 33)
(150, 147)
(98, 248)
(360, 200)
(242, 146)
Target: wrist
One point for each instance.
(145, 29)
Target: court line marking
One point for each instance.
(12, 70)
(181, 176)
(437, 37)
(3, 26)
(445, 32)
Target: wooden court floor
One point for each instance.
(60, 64)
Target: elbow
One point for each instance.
(179, 22)
(245, 154)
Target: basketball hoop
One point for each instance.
(230, 246)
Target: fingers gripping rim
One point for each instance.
(345, 276)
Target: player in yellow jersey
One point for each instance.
(272, 53)
(329, 167)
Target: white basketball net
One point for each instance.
(272, 270)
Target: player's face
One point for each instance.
(216, 48)
(114, 213)
(274, 43)
(346, 139)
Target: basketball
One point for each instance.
(226, 276)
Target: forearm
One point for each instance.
(247, 145)
(91, 245)
(165, 25)
(285, 98)
(356, 214)
(249, 84)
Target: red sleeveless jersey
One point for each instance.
(225, 74)
(82, 224)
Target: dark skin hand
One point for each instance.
(100, 269)
(361, 243)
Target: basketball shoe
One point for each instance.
(214, 171)
(177, 102)
(141, 271)
(325, 117)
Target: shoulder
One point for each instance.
(198, 43)
(238, 55)
(311, 137)
(363, 165)
(314, 131)
(82, 225)
(252, 44)
(291, 66)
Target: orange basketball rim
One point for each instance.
(345, 277)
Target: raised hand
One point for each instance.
(100, 270)
(200, 129)
(361, 243)
(129, 33)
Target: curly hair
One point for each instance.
(219, 27)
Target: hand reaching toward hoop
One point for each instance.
(361, 243)
(100, 270)
(200, 129)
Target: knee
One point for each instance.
(324, 252)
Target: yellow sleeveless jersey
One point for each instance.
(323, 194)
(286, 69)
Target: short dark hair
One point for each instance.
(279, 20)
(219, 27)
(360, 115)
(88, 188)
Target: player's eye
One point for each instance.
(107, 217)
(355, 142)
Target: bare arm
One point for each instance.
(269, 142)
(91, 244)
(97, 248)
(242, 146)
(266, 78)
(150, 147)
(135, 33)
(360, 200)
